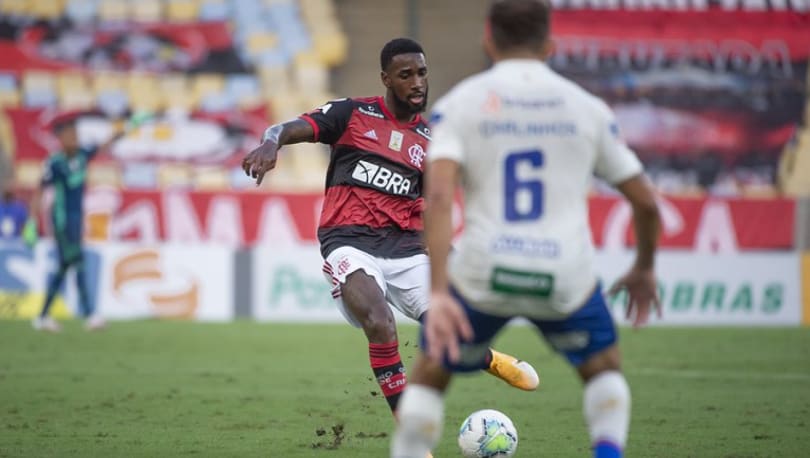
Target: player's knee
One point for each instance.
(379, 325)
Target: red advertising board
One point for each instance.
(236, 219)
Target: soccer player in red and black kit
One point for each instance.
(371, 224)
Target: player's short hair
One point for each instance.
(396, 47)
(519, 23)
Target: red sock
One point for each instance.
(388, 370)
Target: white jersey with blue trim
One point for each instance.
(528, 142)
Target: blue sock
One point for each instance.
(604, 449)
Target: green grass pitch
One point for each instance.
(247, 389)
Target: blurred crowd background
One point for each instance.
(715, 101)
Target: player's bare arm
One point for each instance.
(263, 158)
(446, 320)
(640, 281)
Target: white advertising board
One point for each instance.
(748, 289)
(125, 281)
(166, 281)
(289, 286)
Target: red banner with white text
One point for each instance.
(707, 92)
(238, 219)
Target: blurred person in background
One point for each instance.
(65, 171)
(13, 214)
(525, 167)
(371, 224)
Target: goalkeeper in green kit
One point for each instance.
(66, 172)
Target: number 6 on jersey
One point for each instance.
(524, 196)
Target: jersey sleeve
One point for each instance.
(446, 133)
(615, 161)
(329, 121)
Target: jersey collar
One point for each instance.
(522, 63)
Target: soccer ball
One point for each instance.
(487, 433)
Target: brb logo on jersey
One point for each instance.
(381, 178)
(417, 155)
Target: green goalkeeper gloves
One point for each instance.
(29, 233)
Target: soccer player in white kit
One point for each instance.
(524, 142)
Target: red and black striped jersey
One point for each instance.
(373, 199)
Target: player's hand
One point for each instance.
(29, 233)
(642, 294)
(260, 161)
(446, 325)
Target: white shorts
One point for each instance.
(404, 282)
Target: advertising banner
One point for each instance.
(24, 275)
(167, 281)
(744, 289)
(154, 46)
(747, 289)
(707, 225)
(210, 138)
(289, 286)
(707, 92)
(125, 281)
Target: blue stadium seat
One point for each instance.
(112, 101)
(213, 10)
(274, 58)
(295, 41)
(7, 82)
(217, 102)
(81, 11)
(239, 86)
(39, 98)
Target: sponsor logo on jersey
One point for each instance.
(372, 134)
(381, 178)
(526, 129)
(417, 155)
(510, 281)
(526, 246)
(492, 104)
(395, 142)
(424, 131)
(530, 104)
(369, 111)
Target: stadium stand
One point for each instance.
(221, 70)
(214, 69)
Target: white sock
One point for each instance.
(421, 414)
(607, 408)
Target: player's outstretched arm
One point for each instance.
(640, 281)
(263, 158)
(446, 321)
(118, 133)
